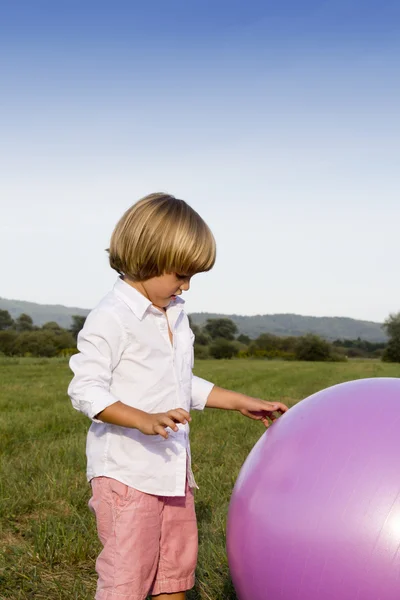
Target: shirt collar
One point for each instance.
(174, 311)
(138, 303)
(176, 306)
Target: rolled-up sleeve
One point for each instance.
(100, 344)
(201, 389)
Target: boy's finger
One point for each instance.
(254, 416)
(185, 413)
(177, 415)
(159, 429)
(168, 422)
(282, 408)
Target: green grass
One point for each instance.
(48, 541)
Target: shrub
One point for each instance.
(392, 351)
(42, 342)
(338, 357)
(272, 346)
(355, 353)
(222, 348)
(6, 320)
(201, 352)
(221, 328)
(244, 339)
(53, 326)
(378, 353)
(266, 342)
(202, 339)
(34, 343)
(68, 352)
(240, 347)
(7, 339)
(24, 323)
(312, 347)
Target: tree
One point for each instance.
(63, 339)
(288, 343)
(41, 342)
(78, 322)
(6, 320)
(392, 327)
(24, 323)
(221, 328)
(53, 326)
(7, 340)
(267, 342)
(222, 348)
(269, 345)
(201, 352)
(34, 343)
(195, 328)
(312, 347)
(359, 348)
(202, 339)
(244, 339)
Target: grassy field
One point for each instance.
(48, 542)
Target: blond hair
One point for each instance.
(161, 234)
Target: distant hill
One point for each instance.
(330, 328)
(42, 313)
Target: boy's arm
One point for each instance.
(150, 424)
(207, 395)
(101, 344)
(254, 408)
(201, 389)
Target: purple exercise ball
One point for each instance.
(315, 512)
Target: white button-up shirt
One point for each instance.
(125, 353)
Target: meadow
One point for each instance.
(48, 542)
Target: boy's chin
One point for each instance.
(160, 303)
(165, 303)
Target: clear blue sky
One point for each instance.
(278, 121)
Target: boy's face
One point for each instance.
(161, 291)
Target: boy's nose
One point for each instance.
(185, 286)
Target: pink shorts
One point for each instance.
(149, 542)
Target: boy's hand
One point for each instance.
(156, 424)
(254, 408)
(261, 410)
(149, 424)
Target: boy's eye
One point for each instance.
(182, 276)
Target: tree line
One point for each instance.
(20, 337)
(217, 338)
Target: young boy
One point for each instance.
(133, 378)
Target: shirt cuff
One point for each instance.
(201, 389)
(93, 401)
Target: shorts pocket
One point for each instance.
(110, 491)
(120, 492)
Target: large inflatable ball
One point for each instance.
(315, 513)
